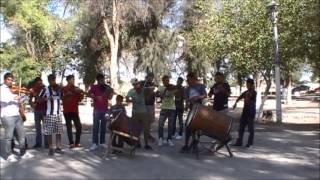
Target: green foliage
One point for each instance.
(16, 60)
(242, 31)
(158, 53)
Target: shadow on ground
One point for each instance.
(289, 151)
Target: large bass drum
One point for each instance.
(126, 127)
(210, 122)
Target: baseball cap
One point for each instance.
(134, 81)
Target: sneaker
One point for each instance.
(248, 145)
(71, 146)
(2, 160)
(147, 147)
(170, 142)
(12, 158)
(104, 145)
(177, 137)
(27, 155)
(160, 142)
(51, 152)
(58, 151)
(93, 147)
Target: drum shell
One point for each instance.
(126, 125)
(212, 123)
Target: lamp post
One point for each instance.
(273, 10)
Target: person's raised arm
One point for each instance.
(238, 99)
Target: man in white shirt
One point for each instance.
(10, 118)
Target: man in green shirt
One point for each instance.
(168, 107)
(139, 110)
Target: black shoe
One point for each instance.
(36, 146)
(184, 149)
(71, 146)
(138, 145)
(147, 147)
(13, 145)
(51, 152)
(237, 144)
(248, 145)
(58, 151)
(151, 139)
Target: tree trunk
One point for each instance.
(114, 44)
(265, 97)
(288, 88)
(239, 81)
(114, 68)
(62, 76)
(205, 81)
(258, 89)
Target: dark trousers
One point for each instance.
(246, 120)
(164, 115)
(69, 117)
(38, 120)
(10, 124)
(179, 116)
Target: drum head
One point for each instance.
(191, 114)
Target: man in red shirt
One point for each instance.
(100, 93)
(71, 96)
(39, 109)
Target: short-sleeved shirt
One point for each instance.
(249, 97)
(193, 91)
(53, 104)
(138, 101)
(167, 98)
(221, 93)
(71, 99)
(9, 105)
(104, 92)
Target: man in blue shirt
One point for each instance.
(195, 93)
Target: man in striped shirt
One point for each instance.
(53, 118)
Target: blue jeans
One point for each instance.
(164, 114)
(11, 123)
(38, 119)
(99, 122)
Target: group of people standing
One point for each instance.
(47, 103)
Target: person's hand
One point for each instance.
(32, 105)
(17, 98)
